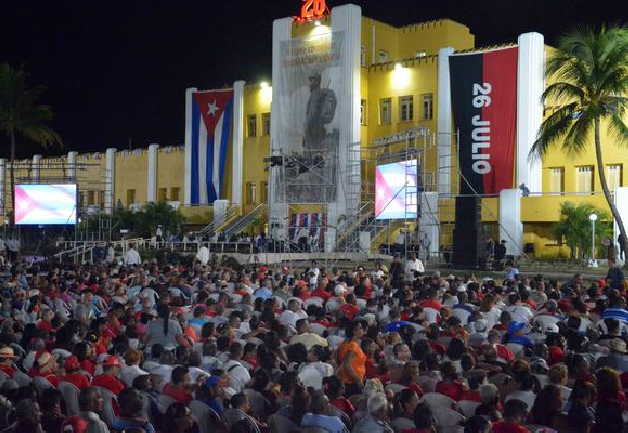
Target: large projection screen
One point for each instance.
(45, 204)
(396, 190)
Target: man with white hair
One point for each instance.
(376, 420)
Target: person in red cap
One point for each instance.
(109, 378)
(72, 375)
(45, 366)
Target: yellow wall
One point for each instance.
(170, 171)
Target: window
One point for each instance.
(252, 125)
(406, 108)
(82, 198)
(264, 192)
(101, 199)
(584, 178)
(363, 56)
(428, 106)
(251, 193)
(557, 179)
(363, 112)
(174, 194)
(266, 124)
(385, 110)
(90, 197)
(162, 194)
(614, 176)
(382, 56)
(420, 54)
(130, 197)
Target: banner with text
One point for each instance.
(307, 115)
(484, 100)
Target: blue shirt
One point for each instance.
(396, 326)
(620, 314)
(263, 293)
(332, 424)
(121, 424)
(519, 339)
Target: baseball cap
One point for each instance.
(111, 361)
(618, 345)
(72, 363)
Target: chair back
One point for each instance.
(41, 383)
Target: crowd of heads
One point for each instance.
(210, 348)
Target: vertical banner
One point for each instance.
(209, 142)
(310, 81)
(484, 100)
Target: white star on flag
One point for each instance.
(212, 108)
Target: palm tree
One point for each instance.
(21, 115)
(589, 83)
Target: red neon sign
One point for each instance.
(313, 10)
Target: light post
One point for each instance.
(593, 218)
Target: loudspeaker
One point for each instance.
(467, 232)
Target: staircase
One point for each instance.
(210, 229)
(238, 225)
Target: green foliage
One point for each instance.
(574, 228)
(589, 76)
(142, 223)
(20, 112)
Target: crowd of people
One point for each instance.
(144, 348)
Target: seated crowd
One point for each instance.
(211, 349)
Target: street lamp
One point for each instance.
(593, 218)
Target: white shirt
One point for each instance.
(129, 373)
(203, 255)
(519, 313)
(239, 375)
(527, 397)
(413, 266)
(289, 317)
(132, 257)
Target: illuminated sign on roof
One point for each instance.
(312, 10)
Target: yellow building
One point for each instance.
(396, 82)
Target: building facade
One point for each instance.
(396, 80)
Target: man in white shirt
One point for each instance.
(292, 313)
(238, 374)
(202, 255)
(132, 257)
(518, 312)
(132, 369)
(413, 265)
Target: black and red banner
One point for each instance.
(484, 100)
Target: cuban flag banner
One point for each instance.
(210, 123)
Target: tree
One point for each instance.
(574, 227)
(22, 115)
(589, 76)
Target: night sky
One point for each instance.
(116, 71)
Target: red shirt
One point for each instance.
(349, 310)
(8, 370)
(504, 353)
(344, 405)
(45, 325)
(109, 382)
(77, 379)
(323, 294)
(453, 390)
(53, 379)
(505, 427)
(87, 366)
(177, 393)
(431, 303)
(471, 396)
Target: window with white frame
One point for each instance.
(557, 179)
(252, 125)
(614, 176)
(584, 178)
(428, 106)
(265, 124)
(363, 112)
(406, 108)
(385, 111)
(251, 193)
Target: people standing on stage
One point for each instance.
(132, 257)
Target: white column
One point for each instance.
(530, 87)
(3, 168)
(346, 19)
(278, 210)
(187, 184)
(237, 172)
(444, 122)
(70, 171)
(429, 224)
(220, 212)
(510, 225)
(110, 179)
(35, 168)
(151, 181)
